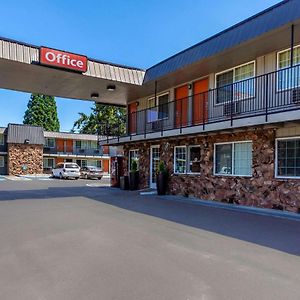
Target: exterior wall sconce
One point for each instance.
(94, 95)
(111, 87)
(26, 141)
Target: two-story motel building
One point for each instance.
(224, 115)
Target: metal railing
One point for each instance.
(73, 151)
(265, 94)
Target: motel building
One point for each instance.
(26, 149)
(223, 115)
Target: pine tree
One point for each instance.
(42, 111)
(103, 120)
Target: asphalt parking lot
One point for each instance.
(67, 239)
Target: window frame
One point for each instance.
(47, 140)
(129, 159)
(53, 163)
(174, 161)
(276, 157)
(189, 157)
(278, 90)
(156, 106)
(232, 158)
(233, 69)
(2, 161)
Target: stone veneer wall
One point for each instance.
(260, 190)
(22, 154)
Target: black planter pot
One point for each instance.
(162, 183)
(134, 180)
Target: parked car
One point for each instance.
(91, 172)
(66, 170)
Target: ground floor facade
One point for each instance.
(258, 167)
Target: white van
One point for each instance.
(66, 170)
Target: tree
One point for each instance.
(42, 111)
(103, 120)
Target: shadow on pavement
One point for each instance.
(276, 233)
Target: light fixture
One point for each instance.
(94, 95)
(26, 141)
(111, 87)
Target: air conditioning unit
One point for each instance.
(232, 108)
(157, 125)
(296, 95)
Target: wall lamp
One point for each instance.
(26, 141)
(94, 95)
(111, 87)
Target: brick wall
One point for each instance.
(20, 155)
(260, 190)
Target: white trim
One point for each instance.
(277, 69)
(276, 157)
(131, 150)
(188, 160)
(53, 164)
(174, 160)
(233, 69)
(232, 159)
(50, 138)
(151, 184)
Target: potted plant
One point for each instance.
(134, 176)
(161, 179)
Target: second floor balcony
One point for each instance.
(73, 151)
(268, 98)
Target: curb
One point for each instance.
(234, 207)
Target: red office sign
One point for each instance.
(63, 60)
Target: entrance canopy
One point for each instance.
(21, 69)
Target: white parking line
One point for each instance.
(16, 178)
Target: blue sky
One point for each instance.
(132, 32)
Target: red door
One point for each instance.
(69, 146)
(200, 98)
(60, 145)
(181, 106)
(132, 117)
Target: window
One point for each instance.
(133, 156)
(187, 159)
(288, 157)
(1, 139)
(180, 159)
(233, 159)
(236, 83)
(50, 142)
(78, 144)
(288, 78)
(94, 163)
(48, 163)
(194, 159)
(158, 110)
(81, 162)
(86, 144)
(1, 161)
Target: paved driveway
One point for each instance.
(67, 240)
